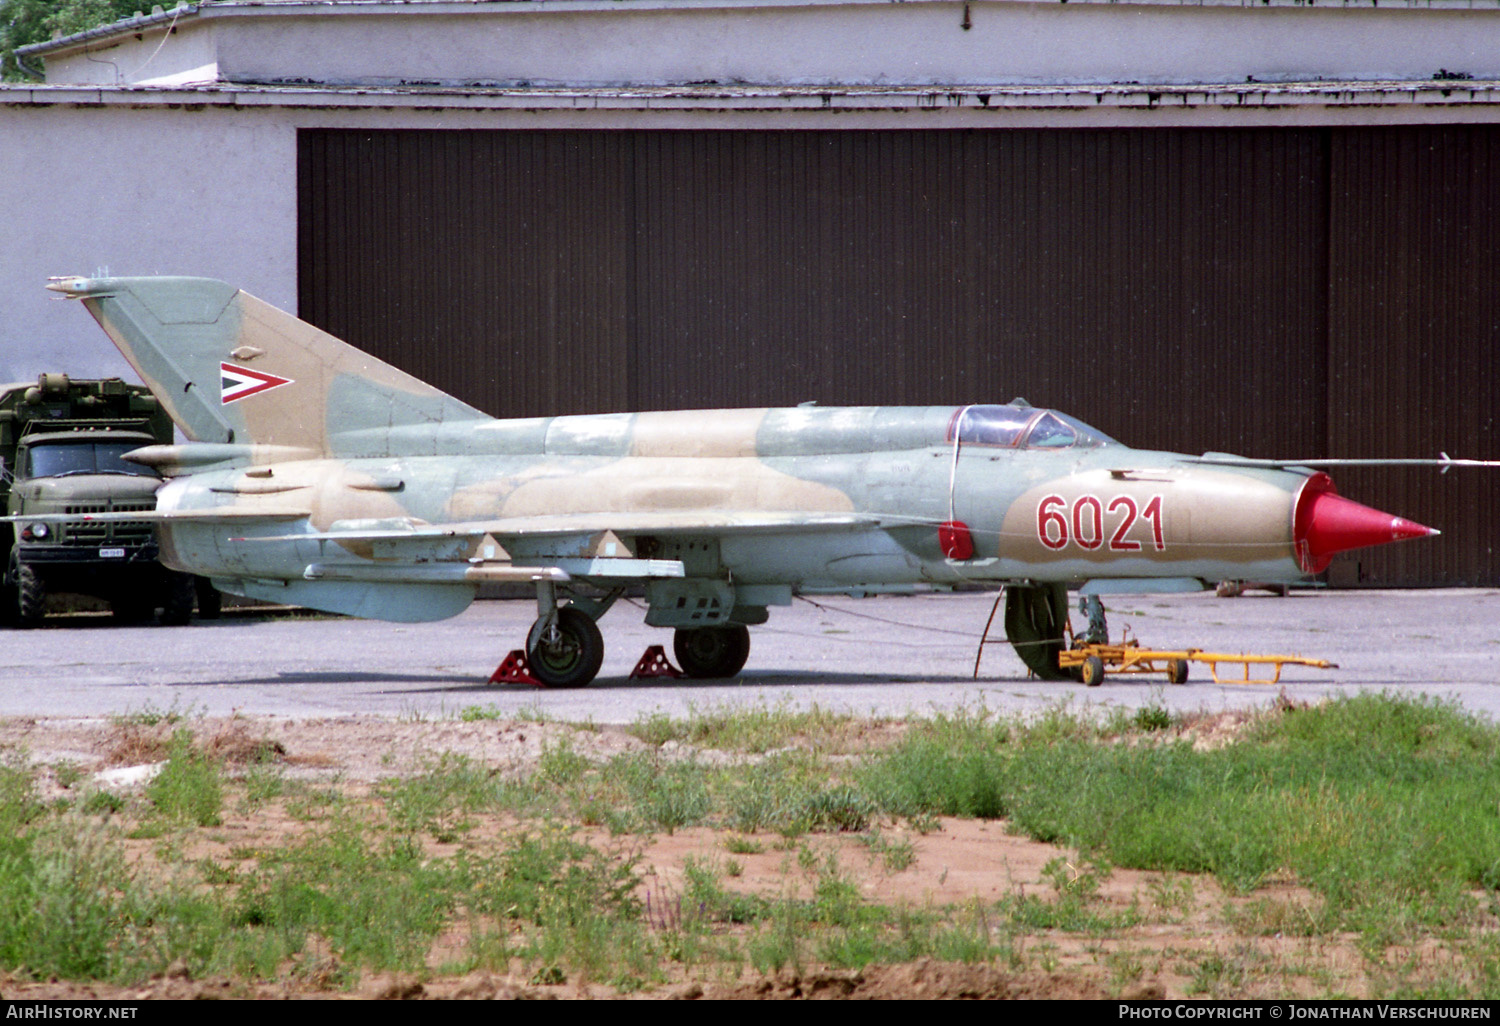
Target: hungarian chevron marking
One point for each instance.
(236, 383)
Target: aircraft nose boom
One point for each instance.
(1327, 524)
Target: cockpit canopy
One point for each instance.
(1023, 427)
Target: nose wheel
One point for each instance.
(1035, 620)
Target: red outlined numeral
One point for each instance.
(1088, 511)
(1047, 518)
(1087, 516)
(1118, 542)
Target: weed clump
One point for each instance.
(190, 787)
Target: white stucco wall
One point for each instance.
(164, 54)
(849, 42)
(139, 192)
(1009, 42)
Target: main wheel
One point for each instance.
(31, 598)
(568, 653)
(711, 651)
(177, 600)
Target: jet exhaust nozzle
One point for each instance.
(1326, 524)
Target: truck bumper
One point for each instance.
(85, 555)
(82, 569)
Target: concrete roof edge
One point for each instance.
(1443, 92)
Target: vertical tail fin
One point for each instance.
(231, 368)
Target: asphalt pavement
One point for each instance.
(880, 656)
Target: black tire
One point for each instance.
(1177, 671)
(1093, 672)
(31, 598)
(131, 610)
(210, 602)
(178, 594)
(8, 596)
(1035, 618)
(711, 651)
(573, 657)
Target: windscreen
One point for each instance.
(64, 458)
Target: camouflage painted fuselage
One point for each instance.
(674, 485)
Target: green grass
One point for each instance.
(190, 786)
(758, 729)
(1383, 807)
(895, 854)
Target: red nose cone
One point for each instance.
(1328, 524)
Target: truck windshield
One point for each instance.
(60, 459)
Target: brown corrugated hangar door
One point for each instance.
(1271, 292)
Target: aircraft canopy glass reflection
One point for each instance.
(1024, 427)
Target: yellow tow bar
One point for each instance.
(1093, 661)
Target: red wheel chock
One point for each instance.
(655, 664)
(515, 670)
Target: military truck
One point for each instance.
(61, 443)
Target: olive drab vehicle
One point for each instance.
(319, 476)
(61, 443)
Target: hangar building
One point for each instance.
(1257, 226)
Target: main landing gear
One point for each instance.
(564, 648)
(712, 651)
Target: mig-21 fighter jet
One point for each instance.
(318, 476)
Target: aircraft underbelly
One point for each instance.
(399, 603)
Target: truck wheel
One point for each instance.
(177, 600)
(31, 598)
(210, 602)
(129, 610)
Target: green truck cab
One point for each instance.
(62, 444)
